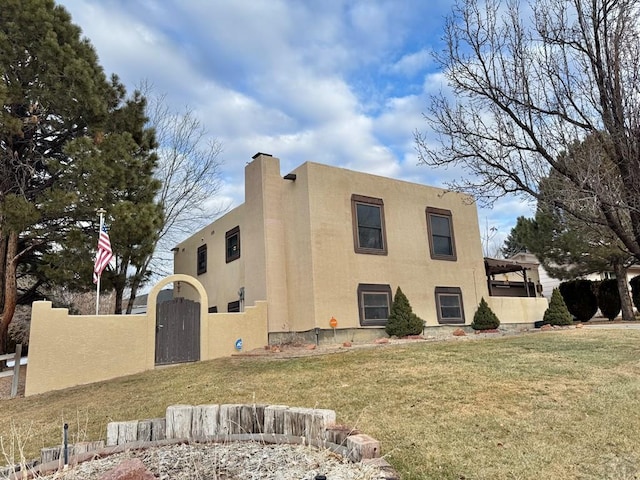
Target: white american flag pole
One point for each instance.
(101, 213)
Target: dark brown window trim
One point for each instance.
(201, 259)
(362, 199)
(236, 255)
(449, 291)
(442, 213)
(373, 288)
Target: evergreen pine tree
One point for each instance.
(484, 318)
(402, 321)
(53, 90)
(557, 312)
(70, 143)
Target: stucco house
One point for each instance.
(322, 243)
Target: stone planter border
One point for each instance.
(266, 424)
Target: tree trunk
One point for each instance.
(136, 281)
(119, 294)
(119, 281)
(3, 264)
(623, 289)
(132, 296)
(10, 289)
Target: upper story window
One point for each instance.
(368, 225)
(202, 259)
(232, 244)
(374, 303)
(233, 307)
(441, 240)
(449, 305)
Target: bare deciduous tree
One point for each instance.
(529, 82)
(189, 166)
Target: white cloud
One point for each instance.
(412, 63)
(343, 82)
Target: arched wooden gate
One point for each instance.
(177, 331)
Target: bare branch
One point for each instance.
(529, 82)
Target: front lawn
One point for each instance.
(557, 405)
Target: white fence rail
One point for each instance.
(15, 371)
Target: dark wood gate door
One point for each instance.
(177, 331)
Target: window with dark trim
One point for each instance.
(202, 259)
(449, 305)
(374, 302)
(232, 243)
(213, 309)
(233, 307)
(368, 225)
(441, 240)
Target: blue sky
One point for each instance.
(338, 82)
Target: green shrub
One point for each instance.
(580, 299)
(484, 318)
(402, 321)
(635, 291)
(609, 298)
(557, 313)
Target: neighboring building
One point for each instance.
(324, 242)
(514, 277)
(545, 282)
(632, 271)
(548, 283)
(140, 302)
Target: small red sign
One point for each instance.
(333, 323)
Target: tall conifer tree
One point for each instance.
(69, 144)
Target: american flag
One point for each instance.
(104, 256)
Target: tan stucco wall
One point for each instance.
(517, 309)
(221, 280)
(250, 326)
(298, 257)
(298, 249)
(337, 269)
(69, 350)
(66, 350)
(267, 279)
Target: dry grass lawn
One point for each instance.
(557, 405)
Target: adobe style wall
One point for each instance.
(297, 250)
(337, 269)
(67, 350)
(517, 310)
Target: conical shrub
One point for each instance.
(402, 321)
(557, 313)
(484, 318)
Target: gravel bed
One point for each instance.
(229, 461)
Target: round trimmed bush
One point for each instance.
(609, 298)
(580, 299)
